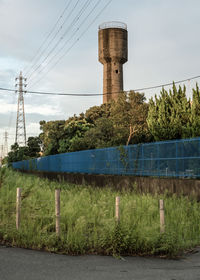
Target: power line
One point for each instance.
(100, 94)
(28, 69)
(74, 21)
(57, 43)
(71, 37)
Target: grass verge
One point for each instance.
(87, 219)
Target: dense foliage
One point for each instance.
(18, 153)
(173, 116)
(129, 120)
(112, 124)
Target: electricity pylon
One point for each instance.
(20, 137)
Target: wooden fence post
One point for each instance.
(57, 211)
(162, 216)
(117, 215)
(18, 208)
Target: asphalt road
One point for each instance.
(20, 264)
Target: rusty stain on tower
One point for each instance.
(113, 53)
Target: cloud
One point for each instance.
(163, 46)
(42, 110)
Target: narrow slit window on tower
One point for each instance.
(116, 71)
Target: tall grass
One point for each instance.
(87, 219)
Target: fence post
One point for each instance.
(18, 208)
(117, 216)
(162, 216)
(57, 211)
(142, 173)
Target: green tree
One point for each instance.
(118, 123)
(96, 112)
(194, 123)
(129, 115)
(17, 153)
(168, 116)
(52, 133)
(34, 146)
(75, 129)
(100, 136)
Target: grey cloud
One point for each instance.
(163, 46)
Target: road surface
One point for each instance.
(21, 264)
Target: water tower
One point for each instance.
(113, 53)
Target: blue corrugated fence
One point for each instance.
(177, 158)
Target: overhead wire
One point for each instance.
(38, 52)
(97, 94)
(77, 17)
(100, 94)
(66, 42)
(101, 11)
(67, 17)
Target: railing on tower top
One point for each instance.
(113, 24)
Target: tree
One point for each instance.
(100, 136)
(129, 115)
(96, 112)
(113, 121)
(64, 136)
(168, 116)
(22, 153)
(75, 129)
(17, 153)
(34, 146)
(52, 133)
(194, 121)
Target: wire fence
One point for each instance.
(176, 158)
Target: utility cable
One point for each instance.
(136, 90)
(97, 94)
(38, 52)
(71, 37)
(63, 35)
(77, 38)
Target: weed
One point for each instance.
(87, 219)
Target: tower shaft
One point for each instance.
(20, 137)
(112, 81)
(113, 53)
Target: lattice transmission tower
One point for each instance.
(20, 137)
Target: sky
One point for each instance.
(55, 45)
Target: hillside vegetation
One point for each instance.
(88, 224)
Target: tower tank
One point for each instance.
(113, 53)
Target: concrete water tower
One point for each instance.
(113, 53)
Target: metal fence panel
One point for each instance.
(176, 158)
